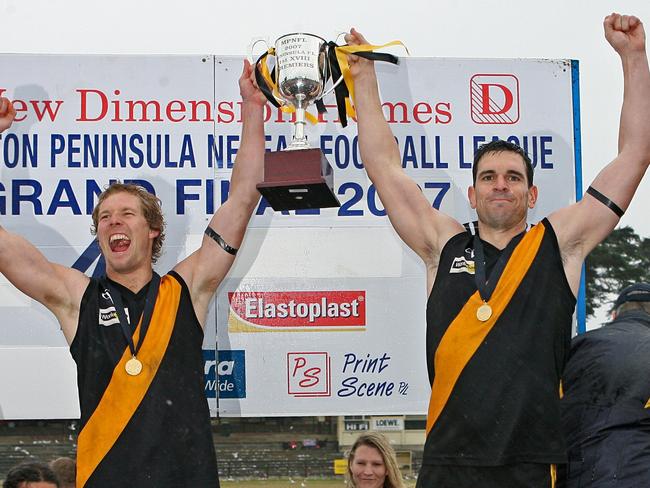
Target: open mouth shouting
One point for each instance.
(119, 242)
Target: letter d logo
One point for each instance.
(494, 99)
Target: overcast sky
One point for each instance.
(449, 28)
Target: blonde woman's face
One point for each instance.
(368, 468)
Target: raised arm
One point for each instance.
(58, 288)
(583, 225)
(204, 270)
(421, 227)
(7, 113)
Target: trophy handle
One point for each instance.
(262, 84)
(255, 42)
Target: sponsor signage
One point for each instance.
(494, 99)
(296, 310)
(387, 423)
(309, 374)
(229, 367)
(355, 425)
(340, 274)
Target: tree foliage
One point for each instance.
(620, 260)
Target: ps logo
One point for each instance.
(494, 98)
(309, 374)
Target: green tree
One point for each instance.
(620, 260)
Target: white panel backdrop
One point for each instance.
(355, 343)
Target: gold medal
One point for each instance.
(484, 312)
(133, 366)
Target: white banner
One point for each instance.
(323, 312)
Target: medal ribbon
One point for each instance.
(145, 318)
(124, 393)
(466, 333)
(484, 285)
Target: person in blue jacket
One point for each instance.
(606, 402)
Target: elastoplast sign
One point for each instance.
(269, 311)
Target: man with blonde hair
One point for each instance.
(137, 337)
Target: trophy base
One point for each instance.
(299, 179)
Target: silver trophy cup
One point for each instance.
(299, 177)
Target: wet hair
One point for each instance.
(29, 472)
(379, 442)
(498, 146)
(151, 208)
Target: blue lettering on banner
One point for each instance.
(366, 377)
(420, 154)
(230, 368)
(154, 151)
(27, 196)
(19, 152)
(537, 147)
(121, 151)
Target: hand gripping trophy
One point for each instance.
(300, 176)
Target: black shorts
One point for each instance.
(521, 475)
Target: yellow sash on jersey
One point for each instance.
(466, 333)
(647, 405)
(553, 475)
(124, 392)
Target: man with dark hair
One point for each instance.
(136, 337)
(499, 146)
(31, 475)
(606, 402)
(501, 302)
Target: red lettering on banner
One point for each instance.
(225, 113)
(96, 105)
(485, 96)
(47, 107)
(39, 107)
(422, 109)
(443, 113)
(20, 107)
(103, 100)
(400, 113)
(171, 111)
(300, 308)
(494, 98)
(207, 111)
(309, 374)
